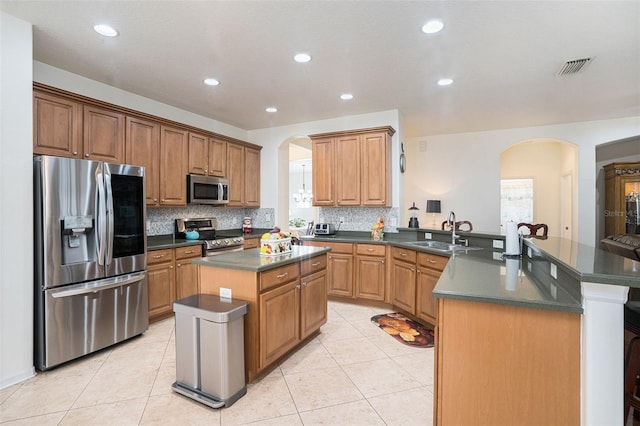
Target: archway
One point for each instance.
(552, 167)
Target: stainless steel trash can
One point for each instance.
(210, 349)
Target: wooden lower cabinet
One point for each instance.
(279, 323)
(250, 243)
(340, 279)
(370, 272)
(404, 285)
(171, 276)
(429, 268)
(286, 305)
(187, 278)
(506, 365)
(161, 282)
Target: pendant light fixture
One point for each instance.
(303, 197)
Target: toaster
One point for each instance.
(325, 229)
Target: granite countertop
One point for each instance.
(590, 263)
(251, 260)
(159, 242)
(505, 282)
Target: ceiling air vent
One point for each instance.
(574, 67)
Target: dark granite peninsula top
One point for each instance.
(251, 260)
(589, 264)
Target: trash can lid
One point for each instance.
(210, 307)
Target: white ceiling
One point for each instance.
(502, 55)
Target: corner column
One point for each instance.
(602, 358)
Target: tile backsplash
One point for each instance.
(359, 218)
(161, 220)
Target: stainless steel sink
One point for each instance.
(442, 246)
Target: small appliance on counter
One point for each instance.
(413, 221)
(325, 229)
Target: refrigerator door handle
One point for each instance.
(102, 226)
(97, 286)
(109, 215)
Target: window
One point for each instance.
(516, 200)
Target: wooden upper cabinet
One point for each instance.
(173, 166)
(347, 172)
(198, 154)
(352, 168)
(375, 152)
(235, 174)
(322, 159)
(251, 177)
(103, 136)
(142, 147)
(217, 157)
(57, 126)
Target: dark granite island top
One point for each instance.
(251, 260)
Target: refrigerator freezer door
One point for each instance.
(83, 318)
(66, 231)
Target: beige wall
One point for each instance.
(546, 162)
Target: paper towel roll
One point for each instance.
(512, 269)
(512, 243)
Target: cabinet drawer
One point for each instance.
(403, 254)
(250, 243)
(278, 276)
(371, 249)
(314, 264)
(189, 252)
(432, 261)
(160, 256)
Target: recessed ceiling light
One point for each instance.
(105, 30)
(271, 109)
(346, 96)
(445, 82)
(433, 26)
(211, 82)
(302, 57)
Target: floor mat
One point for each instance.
(405, 330)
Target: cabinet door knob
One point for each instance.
(86, 155)
(75, 152)
(403, 254)
(282, 275)
(315, 264)
(171, 267)
(382, 261)
(179, 265)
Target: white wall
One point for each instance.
(463, 170)
(16, 202)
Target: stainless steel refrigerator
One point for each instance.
(90, 257)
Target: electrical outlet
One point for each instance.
(554, 291)
(225, 292)
(267, 217)
(394, 221)
(554, 271)
(498, 244)
(428, 236)
(497, 255)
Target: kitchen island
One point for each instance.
(287, 296)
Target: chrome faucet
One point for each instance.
(451, 220)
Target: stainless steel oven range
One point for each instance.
(214, 242)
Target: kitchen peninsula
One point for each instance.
(287, 296)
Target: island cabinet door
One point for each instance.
(279, 321)
(403, 277)
(313, 303)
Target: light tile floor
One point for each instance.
(352, 373)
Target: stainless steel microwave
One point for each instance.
(207, 190)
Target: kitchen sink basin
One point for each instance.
(442, 246)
